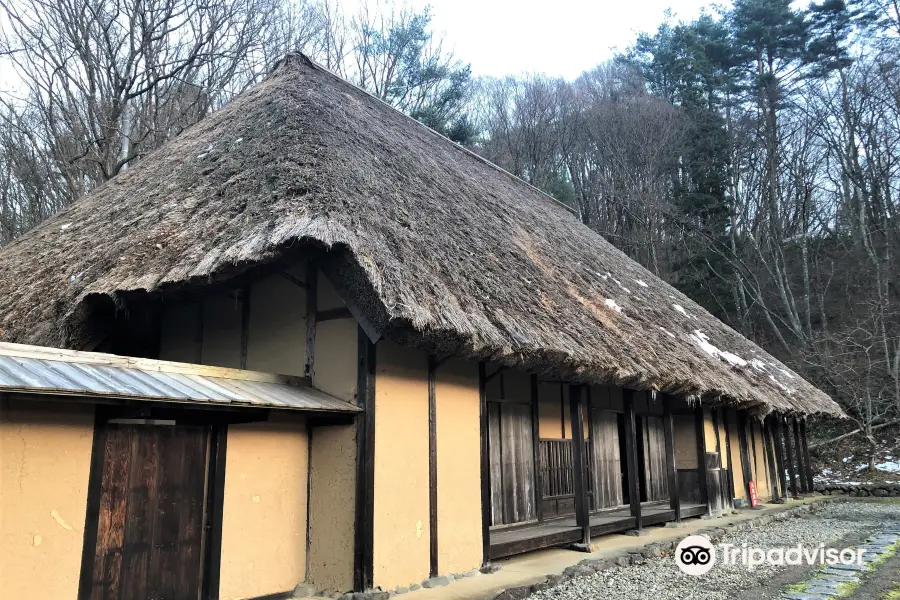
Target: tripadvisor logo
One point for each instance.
(695, 555)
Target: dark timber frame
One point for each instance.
(671, 467)
(725, 420)
(801, 465)
(582, 507)
(634, 486)
(363, 556)
(809, 475)
(775, 430)
(433, 364)
(536, 446)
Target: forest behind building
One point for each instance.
(750, 157)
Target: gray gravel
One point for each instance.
(660, 578)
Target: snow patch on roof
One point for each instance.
(610, 303)
(641, 283)
(680, 309)
(702, 340)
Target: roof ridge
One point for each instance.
(307, 61)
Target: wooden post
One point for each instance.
(773, 469)
(809, 473)
(775, 430)
(745, 453)
(631, 462)
(312, 308)
(364, 526)
(725, 420)
(671, 467)
(801, 465)
(432, 465)
(485, 467)
(245, 325)
(582, 512)
(789, 455)
(536, 448)
(702, 471)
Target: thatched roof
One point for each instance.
(451, 252)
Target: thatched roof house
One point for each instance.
(442, 249)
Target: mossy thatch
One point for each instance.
(453, 253)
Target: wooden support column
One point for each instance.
(801, 465)
(777, 436)
(770, 455)
(582, 509)
(245, 325)
(671, 467)
(536, 447)
(364, 527)
(485, 467)
(725, 420)
(789, 455)
(745, 452)
(702, 470)
(432, 465)
(312, 309)
(809, 473)
(631, 461)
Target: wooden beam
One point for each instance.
(809, 473)
(789, 455)
(536, 447)
(770, 456)
(333, 314)
(432, 464)
(292, 279)
(671, 467)
(631, 462)
(215, 501)
(312, 304)
(702, 471)
(485, 466)
(801, 466)
(745, 452)
(364, 526)
(92, 515)
(582, 509)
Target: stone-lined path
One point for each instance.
(844, 580)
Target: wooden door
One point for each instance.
(512, 463)
(656, 476)
(150, 530)
(607, 467)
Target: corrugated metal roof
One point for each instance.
(36, 370)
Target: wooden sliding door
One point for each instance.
(512, 463)
(607, 463)
(655, 477)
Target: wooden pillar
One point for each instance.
(631, 462)
(702, 470)
(671, 467)
(536, 448)
(432, 465)
(725, 420)
(779, 453)
(364, 526)
(745, 452)
(770, 455)
(485, 467)
(789, 455)
(809, 473)
(582, 511)
(801, 465)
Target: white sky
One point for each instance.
(555, 37)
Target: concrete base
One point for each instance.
(582, 547)
(637, 532)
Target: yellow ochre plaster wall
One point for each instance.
(264, 509)
(458, 466)
(737, 473)
(45, 456)
(685, 441)
(401, 516)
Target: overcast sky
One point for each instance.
(555, 37)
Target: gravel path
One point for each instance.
(660, 578)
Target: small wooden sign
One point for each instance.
(754, 499)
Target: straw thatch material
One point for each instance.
(451, 252)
